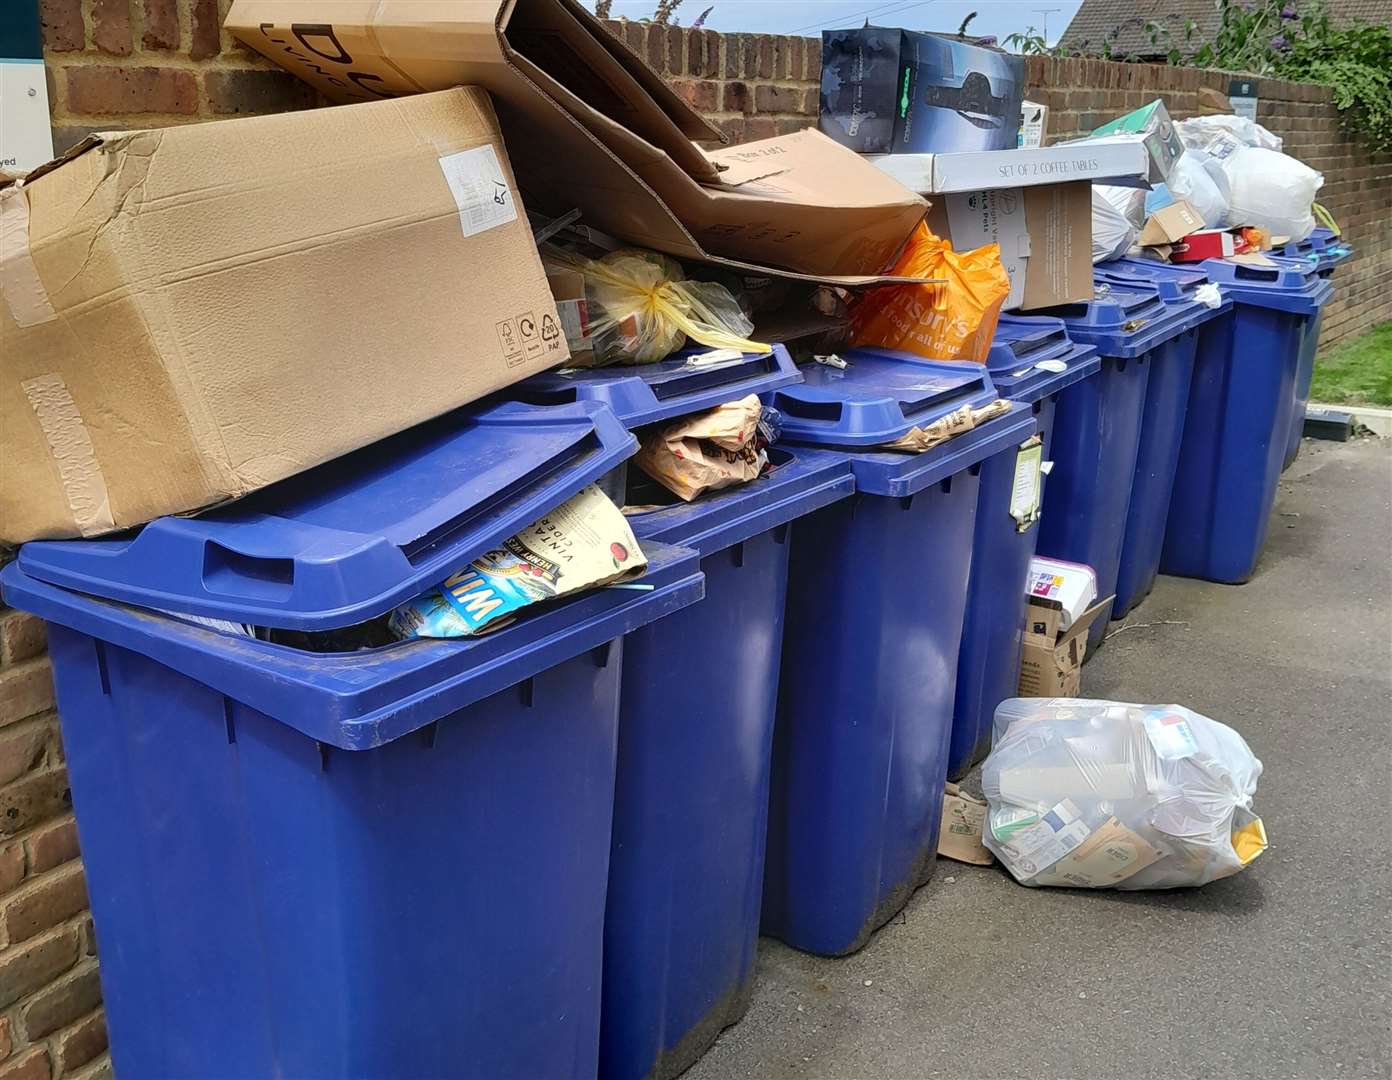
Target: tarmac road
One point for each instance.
(1282, 971)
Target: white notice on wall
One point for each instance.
(480, 189)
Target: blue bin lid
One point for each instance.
(1289, 285)
(673, 387)
(1174, 283)
(351, 539)
(1331, 245)
(1021, 342)
(881, 395)
(1124, 320)
(361, 700)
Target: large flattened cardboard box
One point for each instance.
(192, 313)
(590, 126)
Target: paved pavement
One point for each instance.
(1282, 971)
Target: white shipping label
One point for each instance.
(480, 189)
(1171, 736)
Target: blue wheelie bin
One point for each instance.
(1162, 423)
(1309, 346)
(389, 861)
(1240, 411)
(1031, 361)
(1097, 432)
(695, 726)
(876, 595)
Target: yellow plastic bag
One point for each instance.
(954, 320)
(641, 308)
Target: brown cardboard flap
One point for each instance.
(1170, 223)
(1085, 620)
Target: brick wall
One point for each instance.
(50, 1001)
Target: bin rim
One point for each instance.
(807, 481)
(366, 699)
(650, 393)
(1168, 322)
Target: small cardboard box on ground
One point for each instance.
(1051, 659)
(192, 313)
(590, 126)
(1044, 233)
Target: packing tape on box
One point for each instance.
(19, 278)
(81, 476)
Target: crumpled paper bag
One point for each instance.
(959, 421)
(708, 451)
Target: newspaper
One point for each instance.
(958, 422)
(583, 543)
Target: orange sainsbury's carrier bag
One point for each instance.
(952, 320)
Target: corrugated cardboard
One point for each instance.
(1170, 224)
(590, 126)
(1051, 662)
(1106, 161)
(959, 833)
(1044, 233)
(192, 313)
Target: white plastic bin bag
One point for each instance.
(1105, 794)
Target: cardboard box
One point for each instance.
(590, 126)
(1170, 224)
(1034, 125)
(887, 90)
(1044, 233)
(1051, 659)
(568, 290)
(192, 313)
(1110, 161)
(959, 833)
(1153, 126)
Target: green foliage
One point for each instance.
(1030, 43)
(1286, 40)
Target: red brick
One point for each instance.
(22, 636)
(733, 128)
(32, 800)
(111, 28)
(43, 902)
(811, 103)
(703, 95)
(734, 54)
(797, 56)
(676, 50)
(161, 25)
(26, 967)
(634, 37)
(812, 65)
(703, 53)
(80, 1043)
(11, 866)
(75, 994)
(29, 1066)
(97, 1070)
(52, 846)
(778, 99)
(26, 688)
(206, 41)
(63, 30)
(240, 92)
(737, 97)
(765, 54)
(21, 749)
(106, 91)
(5, 1042)
(655, 46)
(759, 127)
(789, 124)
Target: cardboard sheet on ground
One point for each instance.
(585, 542)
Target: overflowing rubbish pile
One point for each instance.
(669, 544)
